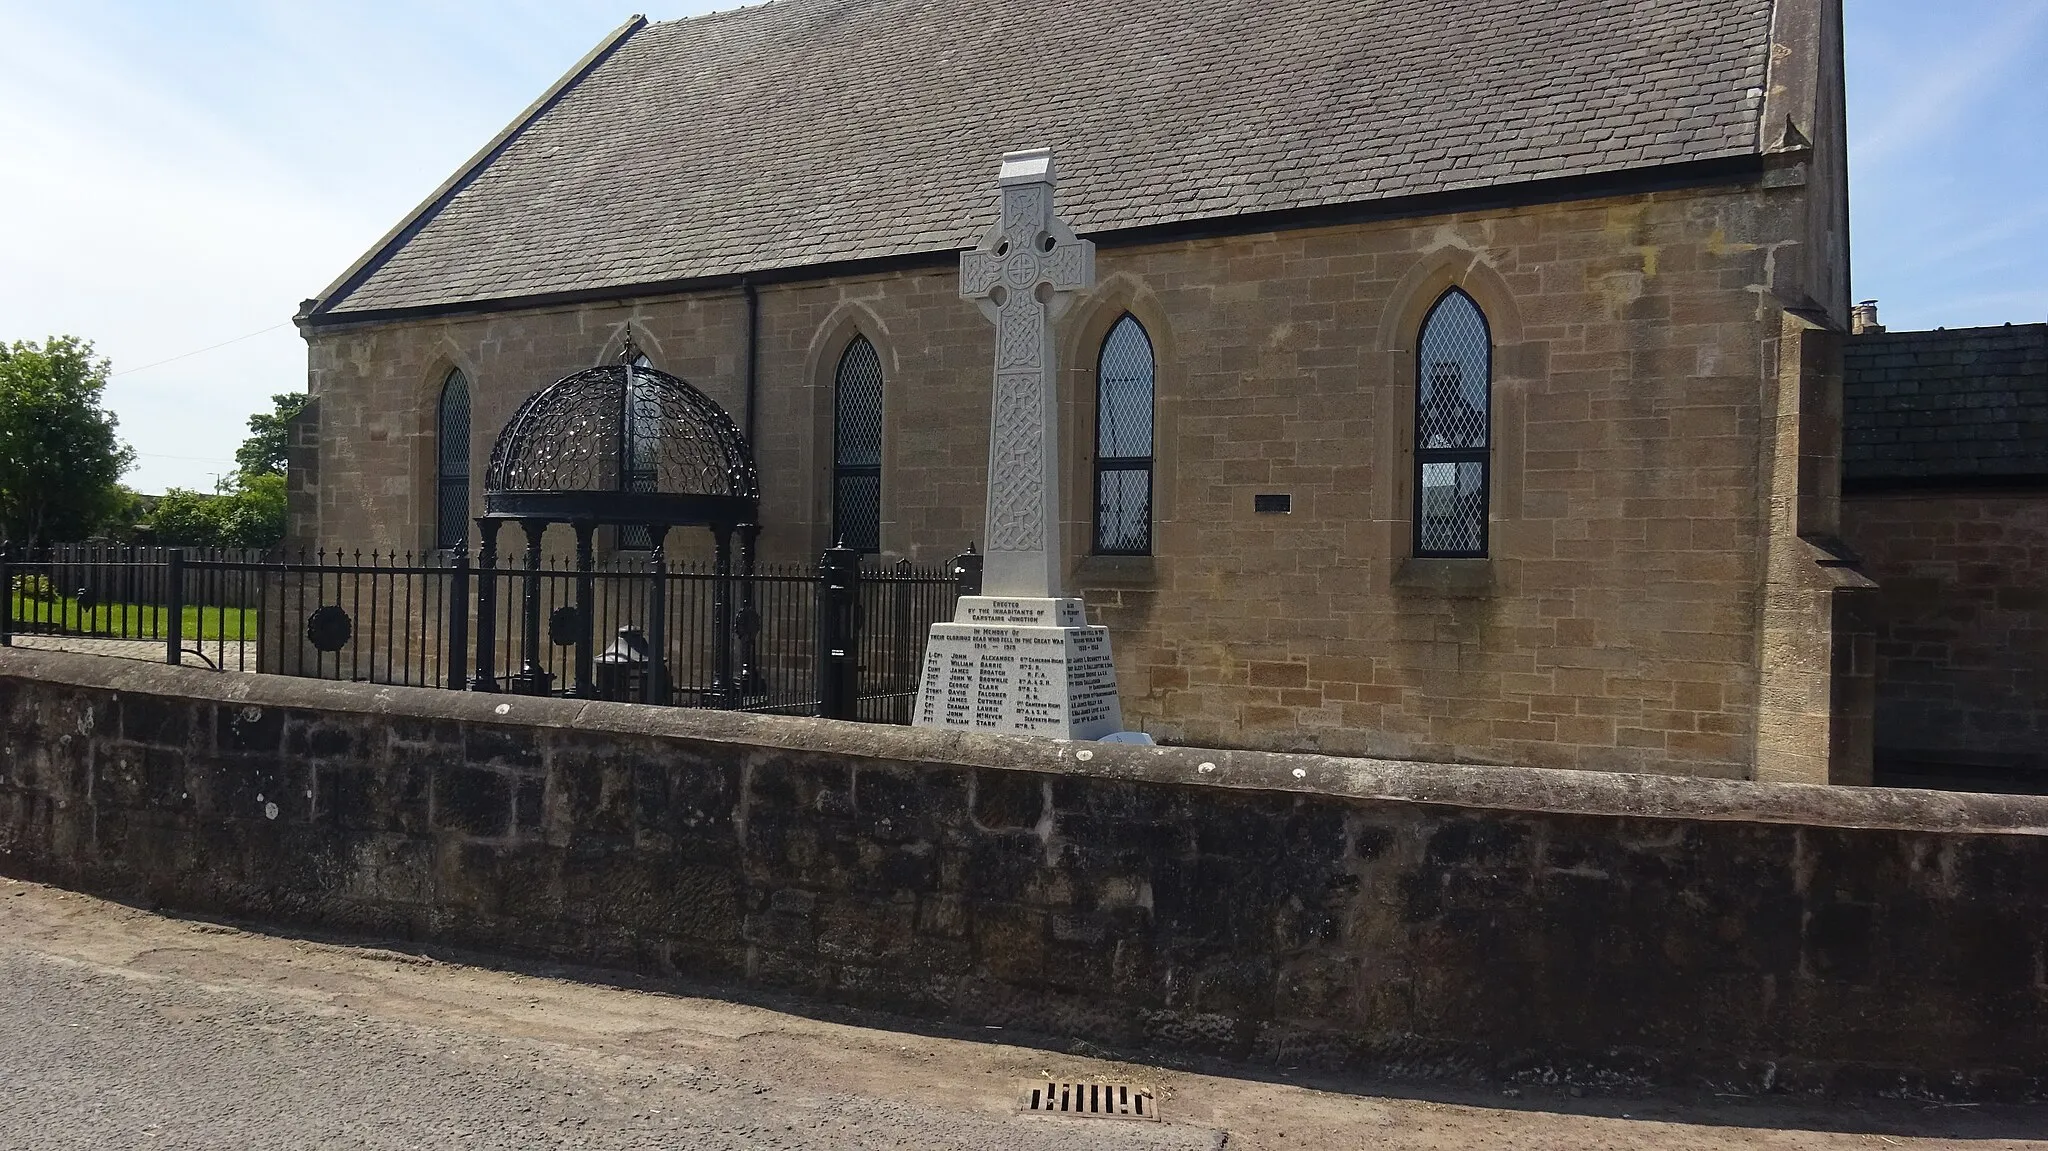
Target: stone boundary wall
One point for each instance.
(1418, 919)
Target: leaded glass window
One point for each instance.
(1123, 441)
(857, 448)
(642, 442)
(1453, 426)
(451, 463)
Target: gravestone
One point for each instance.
(1021, 658)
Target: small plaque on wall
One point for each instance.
(1273, 505)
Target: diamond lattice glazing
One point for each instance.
(1453, 508)
(1456, 367)
(1453, 427)
(1123, 441)
(857, 448)
(452, 465)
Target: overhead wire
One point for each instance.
(200, 351)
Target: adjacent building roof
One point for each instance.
(1961, 405)
(809, 132)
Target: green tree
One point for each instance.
(59, 457)
(130, 510)
(268, 448)
(185, 519)
(251, 516)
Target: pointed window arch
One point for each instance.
(640, 449)
(1453, 429)
(857, 448)
(1123, 440)
(451, 462)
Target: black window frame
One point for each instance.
(1106, 465)
(863, 538)
(1481, 455)
(449, 484)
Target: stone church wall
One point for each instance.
(1291, 910)
(1962, 629)
(1617, 624)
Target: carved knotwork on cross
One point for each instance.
(1025, 272)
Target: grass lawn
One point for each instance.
(130, 620)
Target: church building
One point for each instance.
(1460, 382)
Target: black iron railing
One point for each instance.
(837, 639)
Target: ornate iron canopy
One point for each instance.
(622, 444)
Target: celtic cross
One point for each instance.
(1024, 273)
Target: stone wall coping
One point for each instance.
(1536, 790)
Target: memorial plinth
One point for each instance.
(1021, 667)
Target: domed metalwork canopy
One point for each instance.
(619, 444)
(622, 444)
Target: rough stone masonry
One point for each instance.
(1303, 910)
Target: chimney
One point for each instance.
(1863, 319)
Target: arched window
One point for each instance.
(641, 443)
(1453, 417)
(1123, 441)
(451, 463)
(857, 448)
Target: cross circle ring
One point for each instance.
(1021, 269)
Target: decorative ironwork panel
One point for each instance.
(564, 625)
(622, 428)
(452, 464)
(329, 628)
(857, 448)
(1123, 441)
(1453, 429)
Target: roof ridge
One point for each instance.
(804, 133)
(719, 13)
(2008, 326)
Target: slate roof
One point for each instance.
(804, 132)
(1962, 404)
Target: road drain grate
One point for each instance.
(1091, 1100)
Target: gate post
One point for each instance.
(485, 678)
(722, 693)
(656, 685)
(838, 632)
(174, 612)
(534, 677)
(967, 572)
(458, 618)
(7, 586)
(748, 622)
(586, 596)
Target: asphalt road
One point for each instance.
(97, 1058)
(123, 1029)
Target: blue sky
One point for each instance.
(1948, 159)
(179, 175)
